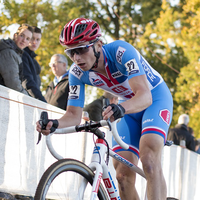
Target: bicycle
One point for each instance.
(82, 181)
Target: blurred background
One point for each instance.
(165, 32)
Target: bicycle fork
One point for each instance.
(102, 172)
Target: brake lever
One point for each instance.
(43, 122)
(106, 102)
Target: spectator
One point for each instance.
(197, 141)
(57, 91)
(31, 68)
(197, 147)
(95, 108)
(11, 69)
(191, 131)
(181, 132)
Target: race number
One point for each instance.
(74, 92)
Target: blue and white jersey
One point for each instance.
(122, 62)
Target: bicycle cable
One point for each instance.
(107, 157)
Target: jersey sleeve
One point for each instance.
(76, 87)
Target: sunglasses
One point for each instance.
(78, 50)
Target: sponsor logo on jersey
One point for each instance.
(74, 92)
(132, 67)
(119, 54)
(116, 74)
(119, 89)
(76, 72)
(97, 82)
(165, 116)
(152, 78)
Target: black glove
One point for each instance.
(54, 126)
(44, 121)
(118, 111)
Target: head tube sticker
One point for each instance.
(165, 116)
(132, 67)
(74, 92)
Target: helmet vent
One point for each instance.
(87, 32)
(80, 28)
(93, 33)
(94, 26)
(70, 33)
(79, 38)
(62, 33)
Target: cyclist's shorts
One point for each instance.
(155, 119)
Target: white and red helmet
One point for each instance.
(79, 30)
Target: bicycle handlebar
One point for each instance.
(89, 126)
(116, 135)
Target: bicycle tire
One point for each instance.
(66, 167)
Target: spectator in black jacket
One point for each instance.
(181, 132)
(95, 108)
(57, 91)
(31, 68)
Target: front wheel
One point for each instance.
(67, 179)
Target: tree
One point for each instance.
(188, 82)
(166, 35)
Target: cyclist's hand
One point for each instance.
(113, 112)
(47, 130)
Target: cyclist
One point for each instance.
(145, 104)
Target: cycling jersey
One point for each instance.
(123, 62)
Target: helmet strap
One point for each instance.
(97, 55)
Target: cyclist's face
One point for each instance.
(23, 38)
(35, 41)
(82, 54)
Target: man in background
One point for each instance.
(31, 68)
(95, 108)
(181, 133)
(57, 91)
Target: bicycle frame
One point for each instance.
(102, 170)
(99, 166)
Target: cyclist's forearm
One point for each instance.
(139, 102)
(71, 117)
